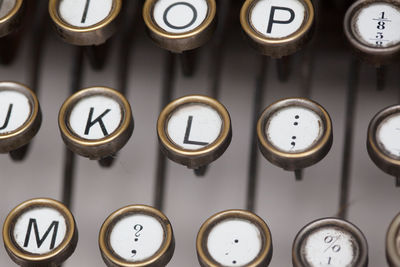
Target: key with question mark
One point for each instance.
(136, 234)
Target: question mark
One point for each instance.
(138, 228)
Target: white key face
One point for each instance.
(178, 16)
(137, 237)
(234, 242)
(40, 230)
(15, 111)
(388, 136)
(84, 13)
(95, 117)
(6, 6)
(377, 25)
(294, 129)
(277, 18)
(194, 126)
(330, 247)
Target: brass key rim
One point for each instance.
(202, 156)
(382, 160)
(262, 259)
(57, 255)
(278, 47)
(160, 258)
(22, 135)
(9, 22)
(343, 225)
(93, 35)
(179, 42)
(96, 149)
(392, 237)
(299, 160)
(374, 55)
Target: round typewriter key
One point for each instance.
(85, 22)
(277, 28)
(294, 133)
(180, 25)
(20, 116)
(234, 238)
(393, 242)
(194, 130)
(136, 236)
(96, 122)
(372, 29)
(40, 232)
(11, 12)
(382, 141)
(330, 242)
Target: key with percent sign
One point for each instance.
(330, 242)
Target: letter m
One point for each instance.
(39, 241)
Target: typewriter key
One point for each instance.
(234, 238)
(20, 116)
(136, 236)
(85, 22)
(382, 141)
(393, 242)
(180, 25)
(371, 27)
(96, 122)
(294, 133)
(277, 28)
(40, 232)
(11, 12)
(330, 242)
(194, 130)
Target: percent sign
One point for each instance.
(332, 243)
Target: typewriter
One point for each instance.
(199, 132)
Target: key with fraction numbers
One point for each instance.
(96, 122)
(294, 133)
(20, 116)
(85, 22)
(277, 28)
(234, 238)
(40, 232)
(330, 242)
(372, 28)
(382, 141)
(136, 236)
(392, 242)
(180, 26)
(194, 130)
(11, 13)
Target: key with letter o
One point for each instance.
(278, 28)
(11, 12)
(234, 238)
(85, 22)
(294, 133)
(40, 232)
(383, 143)
(20, 116)
(136, 236)
(96, 122)
(178, 25)
(194, 130)
(330, 242)
(372, 28)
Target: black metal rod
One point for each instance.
(36, 45)
(253, 159)
(167, 87)
(380, 78)
(188, 62)
(352, 88)
(97, 55)
(298, 174)
(307, 70)
(69, 156)
(283, 67)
